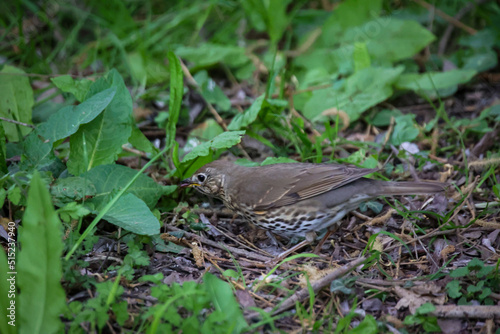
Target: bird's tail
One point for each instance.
(390, 188)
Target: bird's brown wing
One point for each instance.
(289, 185)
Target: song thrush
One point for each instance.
(296, 199)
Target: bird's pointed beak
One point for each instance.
(187, 183)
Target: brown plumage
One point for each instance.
(298, 198)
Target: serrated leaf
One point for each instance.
(249, 116)
(78, 88)
(67, 120)
(104, 136)
(16, 102)
(41, 298)
(109, 178)
(224, 140)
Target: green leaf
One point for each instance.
(211, 92)
(132, 214)
(141, 142)
(101, 140)
(425, 308)
(405, 129)
(249, 116)
(367, 326)
(460, 272)
(349, 14)
(78, 88)
(224, 301)
(108, 178)
(224, 140)
(279, 160)
(41, 298)
(16, 102)
(453, 289)
(176, 92)
(72, 189)
(475, 264)
(430, 82)
(211, 54)
(39, 155)
(67, 120)
(361, 57)
(360, 92)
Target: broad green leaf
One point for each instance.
(453, 289)
(78, 88)
(72, 189)
(211, 92)
(428, 83)
(350, 13)
(41, 299)
(105, 135)
(392, 41)
(279, 160)
(141, 142)
(16, 102)
(7, 290)
(224, 140)
(67, 120)
(146, 69)
(362, 90)
(132, 214)
(242, 120)
(109, 178)
(405, 129)
(39, 155)
(367, 326)
(223, 299)
(176, 91)
(207, 130)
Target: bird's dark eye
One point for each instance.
(201, 177)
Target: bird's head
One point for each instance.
(209, 179)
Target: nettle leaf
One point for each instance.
(16, 102)
(405, 129)
(78, 88)
(224, 140)
(132, 214)
(108, 178)
(358, 94)
(42, 298)
(428, 83)
(100, 141)
(67, 120)
(249, 116)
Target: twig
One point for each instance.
(317, 285)
(210, 107)
(447, 17)
(217, 245)
(135, 151)
(467, 311)
(17, 122)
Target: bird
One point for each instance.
(297, 199)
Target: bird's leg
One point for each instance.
(310, 236)
(332, 229)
